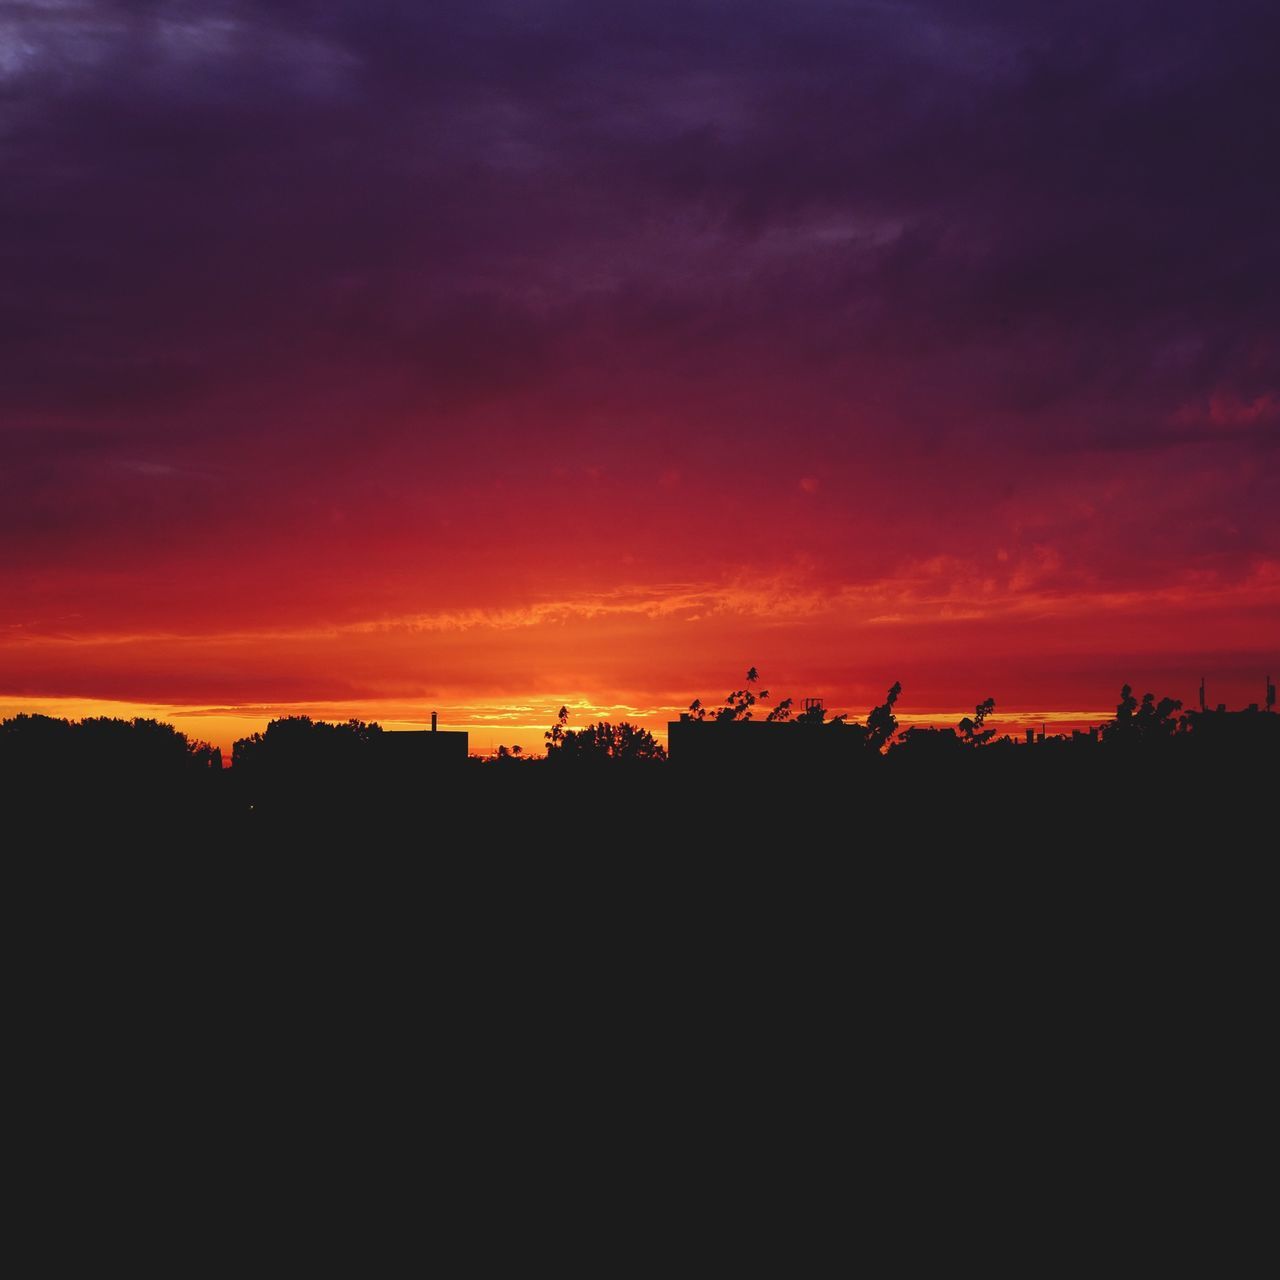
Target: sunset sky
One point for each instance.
(371, 359)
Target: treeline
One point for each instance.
(306, 742)
(103, 745)
(107, 748)
(745, 774)
(101, 774)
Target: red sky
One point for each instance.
(358, 360)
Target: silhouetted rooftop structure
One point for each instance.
(408, 749)
(760, 745)
(1249, 730)
(923, 743)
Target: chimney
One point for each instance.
(1031, 737)
(433, 722)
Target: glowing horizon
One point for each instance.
(222, 726)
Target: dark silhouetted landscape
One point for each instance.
(750, 774)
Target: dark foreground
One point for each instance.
(1017, 804)
(1015, 1006)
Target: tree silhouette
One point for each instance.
(555, 735)
(1127, 706)
(882, 724)
(737, 706)
(971, 731)
(297, 746)
(603, 742)
(1150, 721)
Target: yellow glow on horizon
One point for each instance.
(519, 722)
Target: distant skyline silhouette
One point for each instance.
(892, 721)
(523, 722)
(731, 778)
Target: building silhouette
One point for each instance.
(409, 751)
(760, 746)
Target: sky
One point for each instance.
(364, 358)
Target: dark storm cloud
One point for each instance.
(1043, 226)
